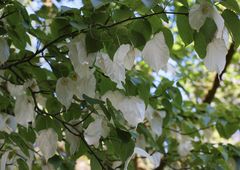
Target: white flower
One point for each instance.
(95, 130)
(198, 14)
(215, 59)
(4, 160)
(65, 91)
(72, 139)
(85, 85)
(156, 52)
(15, 90)
(24, 109)
(4, 50)
(7, 123)
(184, 147)
(155, 119)
(155, 159)
(130, 58)
(47, 142)
(78, 55)
(114, 70)
(32, 83)
(123, 59)
(133, 108)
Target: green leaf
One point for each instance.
(184, 29)
(22, 164)
(20, 143)
(168, 37)
(231, 4)
(233, 24)
(200, 44)
(93, 42)
(142, 27)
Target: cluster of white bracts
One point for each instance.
(215, 59)
(156, 55)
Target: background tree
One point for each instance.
(150, 84)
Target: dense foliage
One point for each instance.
(120, 83)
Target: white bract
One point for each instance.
(130, 58)
(95, 130)
(47, 142)
(155, 159)
(85, 85)
(4, 50)
(24, 109)
(4, 160)
(123, 59)
(156, 52)
(215, 59)
(81, 61)
(8, 123)
(72, 139)
(114, 70)
(198, 14)
(155, 119)
(15, 90)
(184, 147)
(133, 108)
(65, 91)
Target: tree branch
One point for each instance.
(211, 92)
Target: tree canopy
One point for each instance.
(120, 84)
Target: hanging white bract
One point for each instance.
(95, 130)
(47, 142)
(155, 159)
(24, 109)
(123, 59)
(156, 52)
(133, 108)
(65, 91)
(215, 59)
(4, 50)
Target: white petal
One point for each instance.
(198, 14)
(156, 52)
(226, 37)
(95, 130)
(130, 58)
(32, 83)
(11, 123)
(24, 110)
(15, 90)
(78, 54)
(133, 108)
(143, 153)
(156, 159)
(115, 71)
(64, 91)
(121, 53)
(147, 3)
(4, 159)
(4, 50)
(184, 147)
(156, 125)
(72, 139)
(215, 59)
(97, 3)
(48, 147)
(219, 21)
(85, 85)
